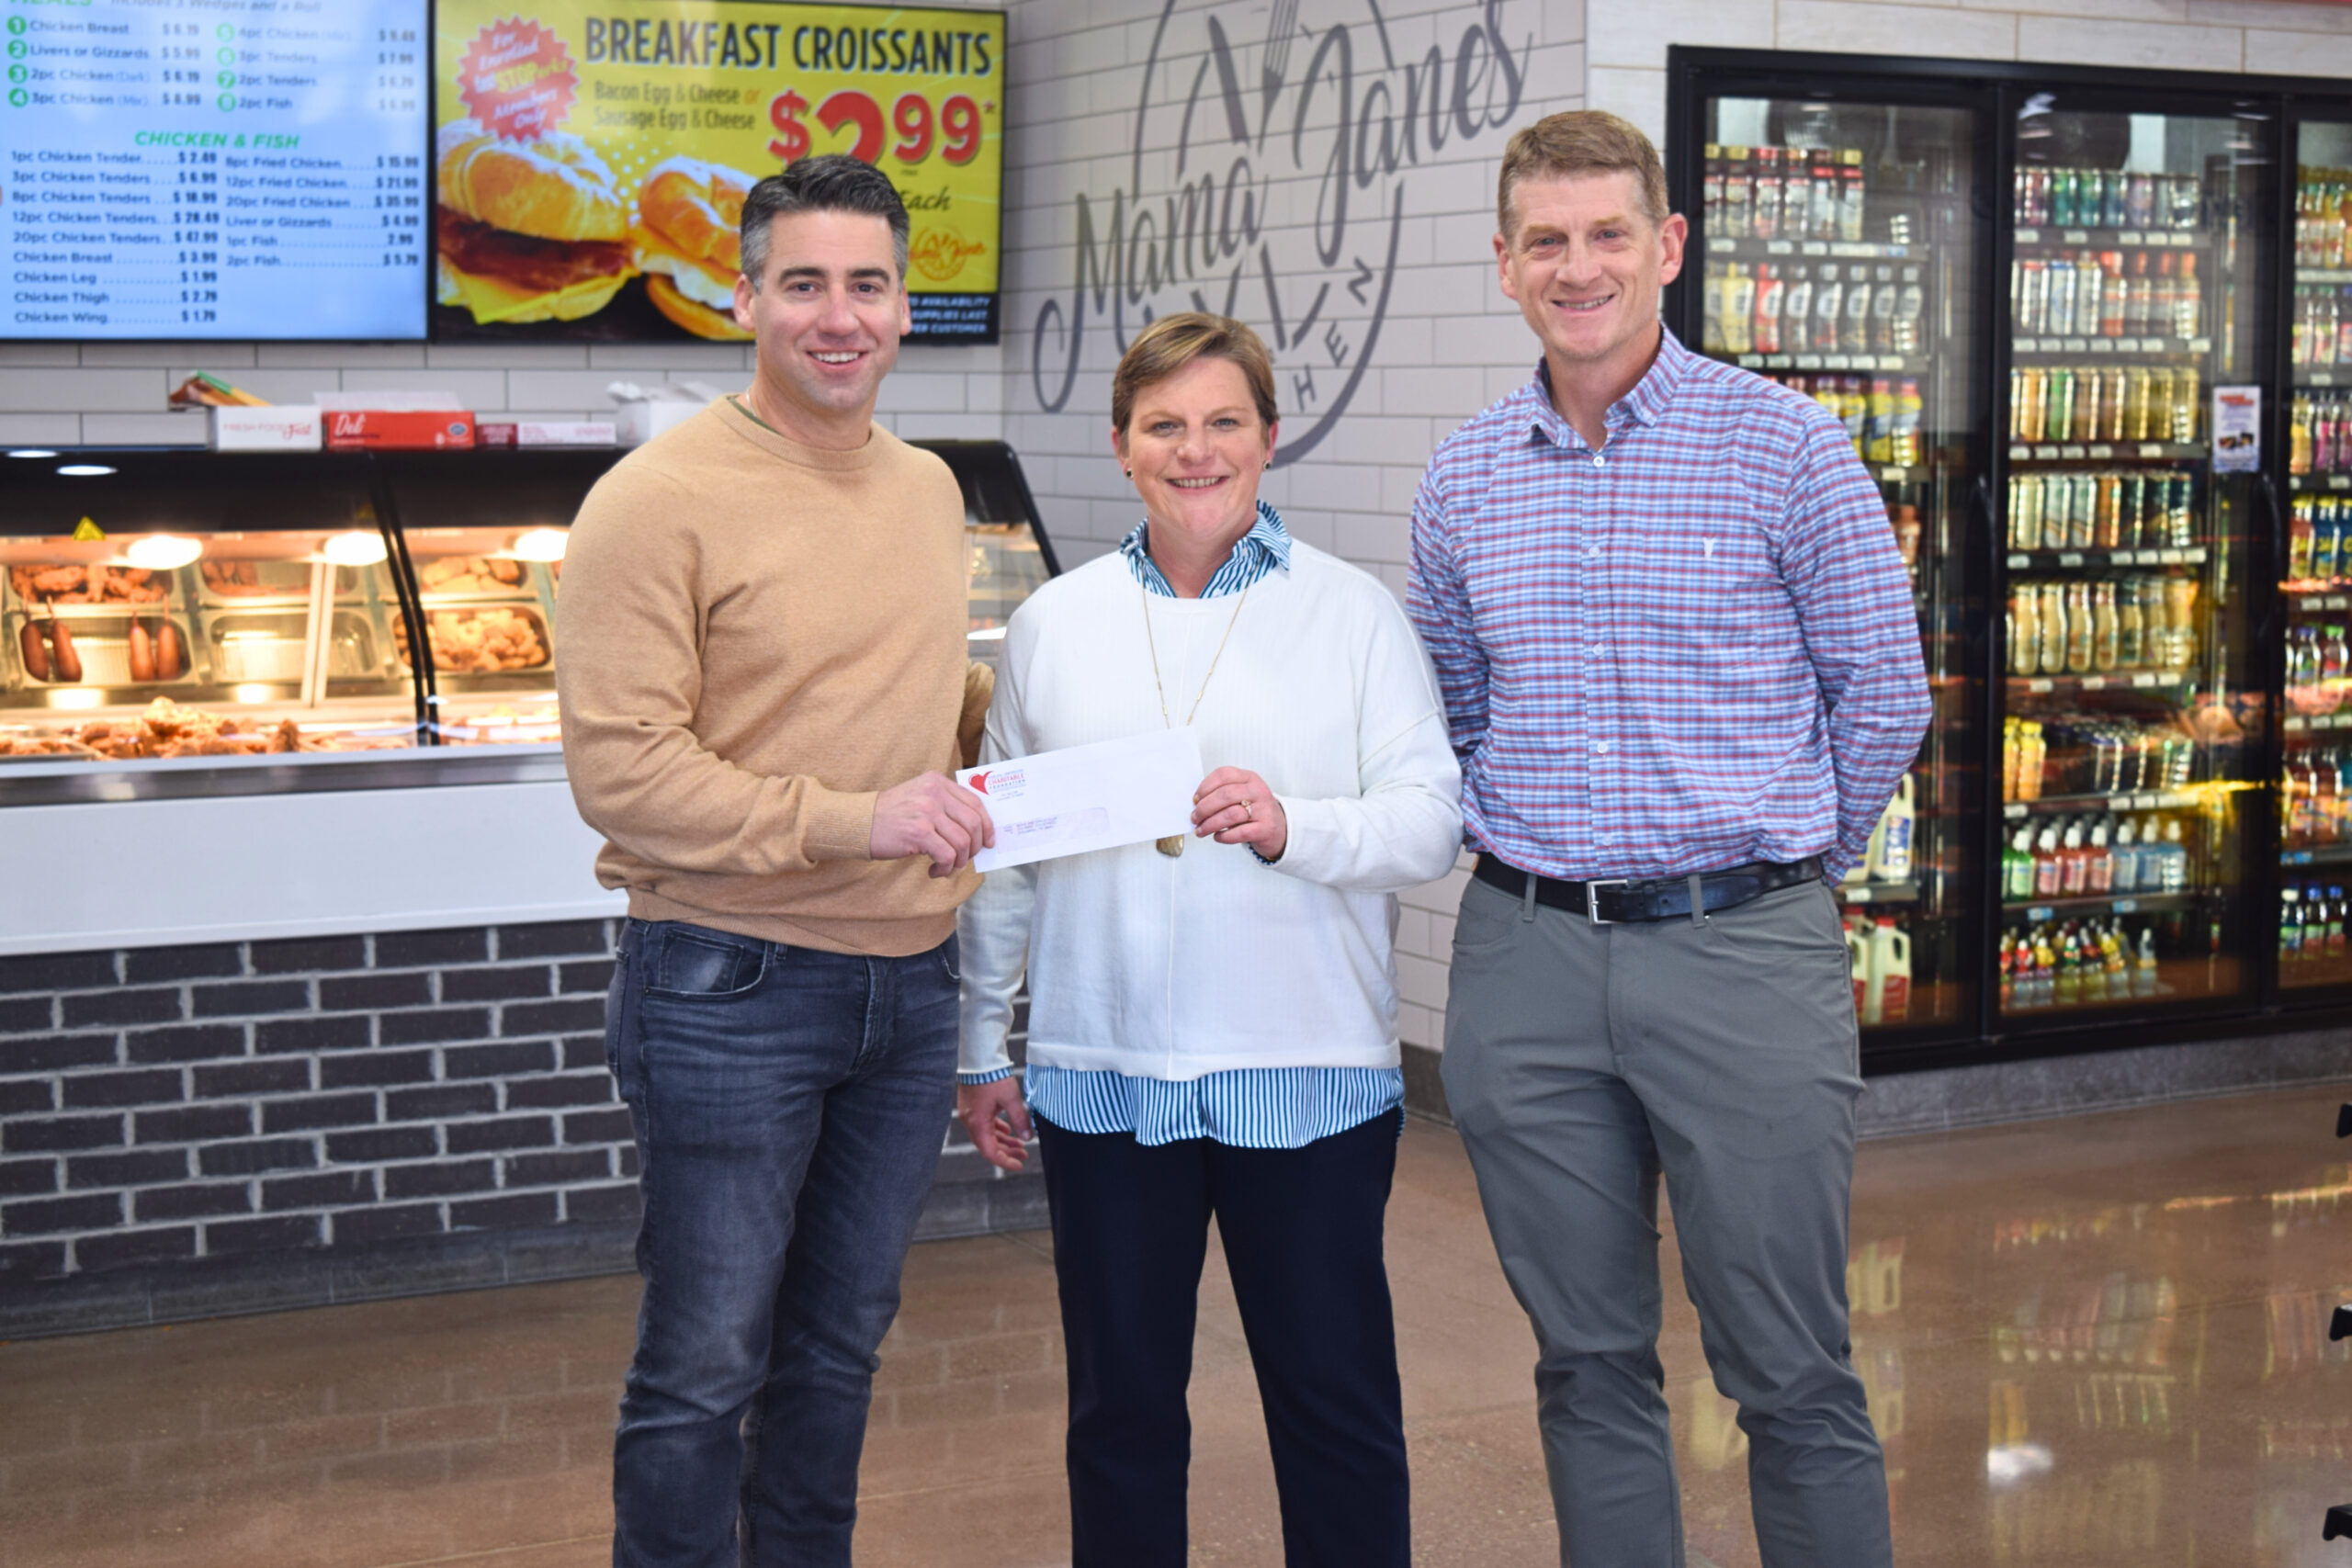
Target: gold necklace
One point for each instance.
(1173, 845)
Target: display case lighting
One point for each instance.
(84, 470)
(32, 452)
(355, 549)
(161, 552)
(540, 544)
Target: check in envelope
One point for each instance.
(1088, 797)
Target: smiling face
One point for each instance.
(1586, 267)
(1196, 447)
(827, 315)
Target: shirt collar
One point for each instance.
(1645, 405)
(1263, 548)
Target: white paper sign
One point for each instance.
(2237, 429)
(1088, 797)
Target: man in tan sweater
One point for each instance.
(764, 687)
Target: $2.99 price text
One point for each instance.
(911, 132)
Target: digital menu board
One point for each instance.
(222, 169)
(593, 156)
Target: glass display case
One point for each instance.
(171, 613)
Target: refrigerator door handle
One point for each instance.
(2273, 604)
(1980, 498)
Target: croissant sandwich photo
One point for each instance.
(527, 231)
(688, 242)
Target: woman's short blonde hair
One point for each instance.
(1581, 142)
(1173, 342)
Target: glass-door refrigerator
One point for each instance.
(2313, 788)
(2131, 700)
(1840, 248)
(2023, 287)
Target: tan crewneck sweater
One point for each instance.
(754, 637)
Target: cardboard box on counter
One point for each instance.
(645, 412)
(359, 430)
(546, 432)
(266, 429)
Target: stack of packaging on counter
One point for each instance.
(422, 420)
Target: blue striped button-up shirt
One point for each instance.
(1691, 649)
(1249, 1107)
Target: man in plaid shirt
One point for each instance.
(1682, 665)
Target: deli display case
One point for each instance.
(203, 643)
(2109, 312)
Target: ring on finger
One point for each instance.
(1248, 812)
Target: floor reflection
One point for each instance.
(2094, 1342)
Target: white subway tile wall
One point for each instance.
(1204, 139)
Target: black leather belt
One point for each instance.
(1615, 900)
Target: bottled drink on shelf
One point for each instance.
(1765, 333)
(1910, 313)
(1852, 195)
(1764, 215)
(1830, 311)
(1740, 194)
(1904, 437)
(1797, 311)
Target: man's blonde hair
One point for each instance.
(1173, 342)
(1582, 141)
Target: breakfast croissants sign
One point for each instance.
(592, 157)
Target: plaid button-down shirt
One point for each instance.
(1691, 649)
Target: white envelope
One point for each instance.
(1088, 797)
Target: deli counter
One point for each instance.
(326, 680)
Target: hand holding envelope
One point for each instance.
(1101, 796)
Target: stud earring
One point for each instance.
(1130, 472)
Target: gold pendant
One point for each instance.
(1170, 846)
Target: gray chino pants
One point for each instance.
(1582, 1062)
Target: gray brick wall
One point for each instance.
(168, 1105)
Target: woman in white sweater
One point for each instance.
(1213, 1017)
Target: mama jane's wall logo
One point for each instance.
(1333, 101)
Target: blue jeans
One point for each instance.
(790, 1106)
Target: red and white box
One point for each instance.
(350, 430)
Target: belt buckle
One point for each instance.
(1592, 900)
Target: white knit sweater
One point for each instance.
(1176, 968)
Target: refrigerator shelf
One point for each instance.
(2164, 347)
(2324, 275)
(2298, 483)
(1914, 365)
(2319, 854)
(2096, 560)
(2304, 724)
(2324, 375)
(2119, 800)
(1877, 892)
(2107, 452)
(2110, 904)
(2333, 596)
(2119, 239)
(2120, 681)
(1832, 250)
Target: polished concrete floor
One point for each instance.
(2089, 1342)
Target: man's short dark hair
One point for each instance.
(834, 182)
